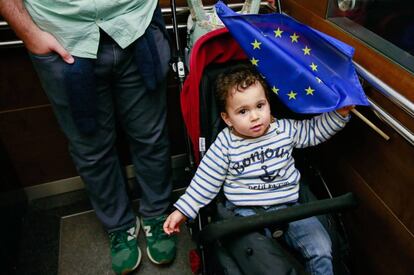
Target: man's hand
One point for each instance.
(173, 222)
(43, 43)
(344, 111)
(36, 40)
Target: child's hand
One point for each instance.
(344, 111)
(173, 222)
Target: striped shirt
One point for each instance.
(259, 171)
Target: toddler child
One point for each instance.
(252, 160)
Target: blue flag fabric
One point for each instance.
(309, 71)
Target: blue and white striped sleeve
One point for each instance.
(207, 180)
(318, 129)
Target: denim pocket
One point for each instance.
(45, 56)
(48, 66)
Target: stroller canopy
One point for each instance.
(215, 47)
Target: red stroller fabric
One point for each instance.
(215, 47)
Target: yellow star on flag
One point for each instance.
(309, 91)
(318, 79)
(292, 95)
(256, 44)
(278, 32)
(275, 90)
(314, 67)
(294, 37)
(306, 50)
(254, 61)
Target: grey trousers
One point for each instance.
(142, 115)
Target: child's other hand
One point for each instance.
(344, 111)
(173, 222)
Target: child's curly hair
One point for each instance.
(238, 78)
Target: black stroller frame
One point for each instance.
(209, 235)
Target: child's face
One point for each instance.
(248, 112)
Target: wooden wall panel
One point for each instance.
(381, 228)
(316, 7)
(16, 73)
(35, 146)
(386, 166)
(379, 172)
(380, 244)
(391, 108)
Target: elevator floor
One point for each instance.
(61, 235)
(84, 249)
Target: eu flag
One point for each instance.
(309, 71)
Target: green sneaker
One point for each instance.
(125, 252)
(161, 248)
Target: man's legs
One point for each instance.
(143, 115)
(95, 156)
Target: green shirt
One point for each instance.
(75, 24)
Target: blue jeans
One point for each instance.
(121, 94)
(307, 236)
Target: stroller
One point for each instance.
(249, 252)
(230, 245)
